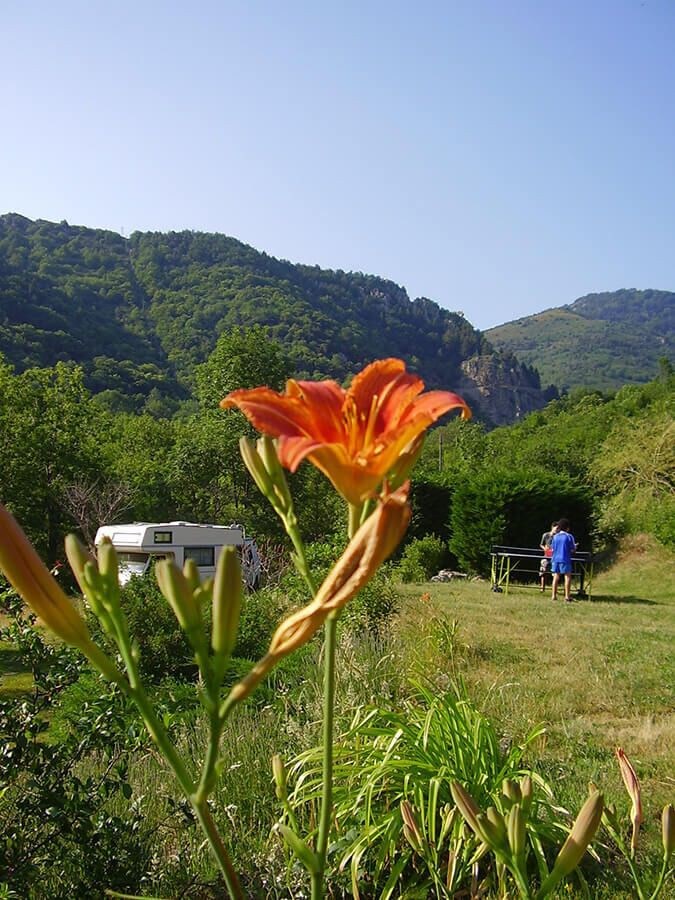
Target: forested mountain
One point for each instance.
(601, 341)
(139, 314)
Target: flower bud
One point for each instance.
(191, 573)
(267, 449)
(107, 562)
(497, 820)
(582, 833)
(410, 827)
(256, 466)
(632, 784)
(78, 556)
(511, 790)
(279, 776)
(227, 595)
(668, 826)
(526, 793)
(467, 806)
(301, 850)
(515, 824)
(29, 576)
(174, 586)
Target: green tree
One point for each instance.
(49, 432)
(242, 358)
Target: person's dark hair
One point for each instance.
(564, 524)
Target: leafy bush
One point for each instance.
(261, 612)
(60, 834)
(374, 605)
(501, 506)
(421, 559)
(164, 649)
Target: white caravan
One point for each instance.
(140, 544)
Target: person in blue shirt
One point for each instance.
(563, 546)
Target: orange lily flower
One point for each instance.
(356, 437)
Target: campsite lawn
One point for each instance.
(597, 674)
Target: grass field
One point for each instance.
(597, 674)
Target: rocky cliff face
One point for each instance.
(500, 389)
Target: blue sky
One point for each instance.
(498, 156)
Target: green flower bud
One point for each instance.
(496, 819)
(515, 825)
(467, 806)
(174, 586)
(279, 775)
(256, 466)
(227, 596)
(668, 825)
(511, 790)
(526, 793)
(582, 833)
(78, 556)
(107, 562)
(191, 573)
(410, 827)
(493, 834)
(281, 499)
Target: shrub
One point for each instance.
(60, 833)
(421, 559)
(261, 612)
(164, 649)
(513, 508)
(373, 606)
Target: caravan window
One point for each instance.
(163, 537)
(125, 557)
(203, 556)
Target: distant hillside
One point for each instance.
(601, 341)
(140, 313)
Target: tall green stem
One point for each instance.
(133, 688)
(326, 814)
(218, 849)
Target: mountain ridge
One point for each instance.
(139, 313)
(600, 341)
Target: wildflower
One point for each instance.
(31, 579)
(356, 437)
(375, 540)
(632, 784)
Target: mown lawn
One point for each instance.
(597, 674)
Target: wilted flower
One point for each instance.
(356, 437)
(375, 540)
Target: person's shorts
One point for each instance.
(562, 568)
(544, 564)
